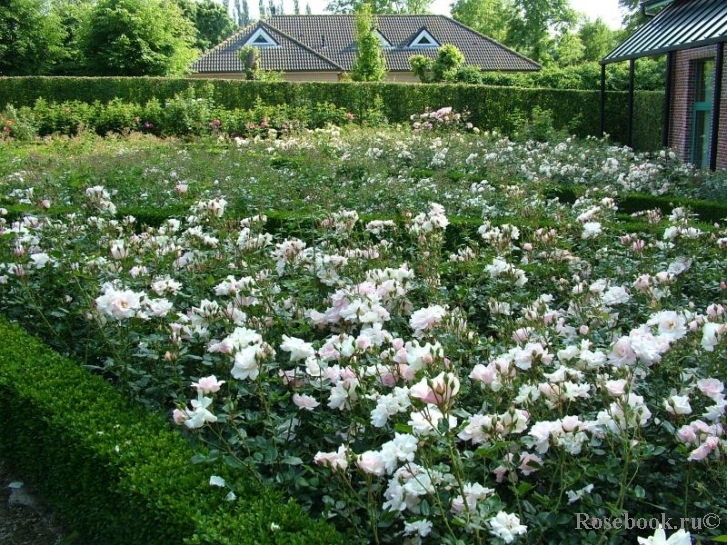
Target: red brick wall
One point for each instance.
(680, 137)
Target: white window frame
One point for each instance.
(424, 34)
(260, 32)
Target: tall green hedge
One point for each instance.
(490, 107)
(117, 474)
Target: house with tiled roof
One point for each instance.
(323, 47)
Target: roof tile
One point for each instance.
(327, 42)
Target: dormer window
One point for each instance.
(424, 40)
(260, 38)
(385, 44)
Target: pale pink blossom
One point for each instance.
(426, 318)
(701, 452)
(677, 404)
(305, 402)
(208, 385)
(710, 387)
(371, 462)
(334, 460)
(616, 388)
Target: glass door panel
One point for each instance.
(702, 118)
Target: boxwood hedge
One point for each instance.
(119, 475)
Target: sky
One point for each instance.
(607, 10)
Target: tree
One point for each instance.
(213, 24)
(598, 40)
(570, 49)
(370, 64)
(446, 66)
(488, 17)
(534, 22)
(416, 7)
(71, 15)
(137, 38)
(31, 37)
(243, 13)
(377, 6)
(449, 59)
(296, 7)
(307, 9)
(250, 58)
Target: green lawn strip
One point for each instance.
(118, 474)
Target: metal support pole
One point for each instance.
(716, 106)
(603, 101)
(630, 130)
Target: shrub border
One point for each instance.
(118, 474)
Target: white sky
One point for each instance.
(607, 10)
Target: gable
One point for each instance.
(424, 40)
(260, 38)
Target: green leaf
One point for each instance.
(232, 462)
(292, 460)
(403, 428)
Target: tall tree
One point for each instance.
(137, 38)
(534, 22)
(243, 15)
(261, 9)
(597, 38)
(377, 6)
(213, 24)
(307, 9)
(31, 37)
(271, 7)
(569, 50)
(488, 17)
(370, 64)
(296, 7)
(415, 7)
(71, 14)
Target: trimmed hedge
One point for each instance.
(116, 473)
(490, 107)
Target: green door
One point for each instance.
(702, 122)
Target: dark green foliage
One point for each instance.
(649, 76)
(213, 24)
(490, 107)
(116, 473)
(31, 37)
(137, 38)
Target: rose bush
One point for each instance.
(401, 391)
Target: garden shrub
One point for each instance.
(115, 473)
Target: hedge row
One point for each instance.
(117, 474)
(490, 107)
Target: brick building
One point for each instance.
(692, 33)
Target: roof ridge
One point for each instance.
(301, 44)
(227, 40)
(503, 46)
